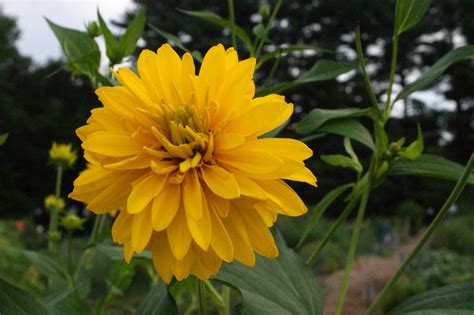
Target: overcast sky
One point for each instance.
(37, 40)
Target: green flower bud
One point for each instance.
(53, 203)
(93, 29)
(72, 222)
(54, 236)
(264, 10)
(62, 155)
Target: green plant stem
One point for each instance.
(201, 293)
(352, 249)
(226, 296)
(69, 251)
(230, 6)
(350, 206)
(215, 296)
(54, 215)
(272, 72)
(368, 85)
(393, 67)
(455, 193)
(267, 29)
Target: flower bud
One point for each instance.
(264, 10)
(54, 236)
(53, 203)
(62, 155)
(72, 222)
(93, 29)
(394, 147)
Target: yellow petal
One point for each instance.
(221, 205)
(143, 191)
(305, 176)
(121, 229)
(212, 72)
(161, 253)
(109, 144)
(250, 161)
(289, 148)
(179, 237)
(192, 198)
(165, 206)
(220, 240)
(285, 197)
(243, 250)
(221, 182)
(201, 229)
(127, 252)
(248, 187)
(227, 141)
(133, 83)
(141, 230)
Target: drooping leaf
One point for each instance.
(414, 150)
(3, 138)
(408, 13)
(317, 117)
(322, 70)
(216, 19)
(158, 301)
(275, 286)
(320, 208)
(283, 50)
(430, 166)
(15, 301)
(339, 160)
(128, 41)
(454, 56)
(349, 128)
(456, 297)
(81, 50)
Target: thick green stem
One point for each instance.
(350, 206)
(215, 296)
(352, 250)
(226, 296)
(455, 193)
(201, 293)
(393, 67)
(230, 6)
(368, 85)
(267, 29)
(54, 215)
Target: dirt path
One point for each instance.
(369, 275)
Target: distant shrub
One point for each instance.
(412, 212)
(457, 234)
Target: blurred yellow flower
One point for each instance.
(179, 153)
(53, 203)
(62, 155)
(72, 222)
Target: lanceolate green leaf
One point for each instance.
(414, 150)
(317, 117)
(320, 208)
(16, 301)
(48, 265)
(3, 138)
(459, 297)
(349, 128)
(275, 286)
(111, 45)
(216, 19)
(430, 166)
(409, 13)
(268, 56)
(80, 49)
(322, 70)
(158, 301)
(128, 41)
(456, 55)
(339, 160)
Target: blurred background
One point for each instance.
(40, 103)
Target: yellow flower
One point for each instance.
(179, 154)
(62, 155)
(53, 203)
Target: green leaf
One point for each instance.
(216, 19)
(414, 150)
(270, 55)
(381, 139)
(454, 56)
(339, 160)
(459, 297)
(48, 265)
(174, 40)
(81, 50)
(111, 46)
(115, 252)
(322, 70)
(3, 138)
(275, 286)
(158, 301)
(430, 166)
(320, 208)
(317, 117)
(128, 41)
(408, 13)
(349, 128)
(350, 151)
(16, 301)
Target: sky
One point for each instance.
(37, 40)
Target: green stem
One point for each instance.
(201, 293)
(267, 29)
(226, 295)
(368, 85)
(393, 66)
(455, 193)
(54, 215)
(352, 250)
(69, 251)
(272, 72)
(215, 296)
(230, 6)
(333, 229)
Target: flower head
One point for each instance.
(53, 203)
(72, 222)
(62, 155)
(179, 154)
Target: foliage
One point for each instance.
(456, 235)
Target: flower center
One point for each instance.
(183, 132)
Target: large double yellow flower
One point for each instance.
(179, 155)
